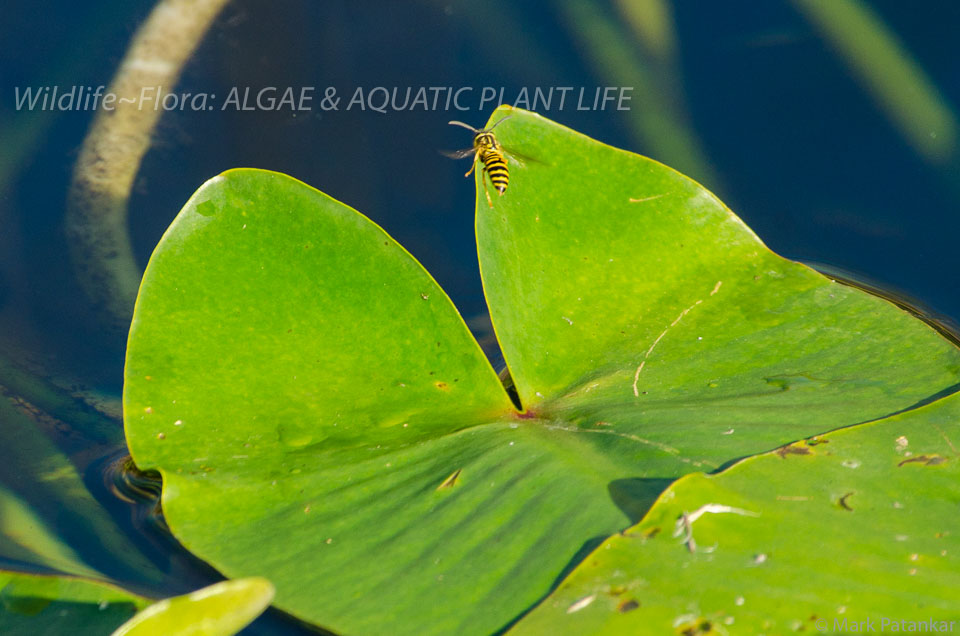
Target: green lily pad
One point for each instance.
(322, 417)
(854, 531)
(221, 609)
(619, 288)
(32, 604)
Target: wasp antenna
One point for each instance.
(499, 121)
(463, 125)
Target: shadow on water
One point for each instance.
(132, 498)
(634, 497)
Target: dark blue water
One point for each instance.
(792, 140)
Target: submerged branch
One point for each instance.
(110, 158)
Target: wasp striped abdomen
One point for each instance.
(496, 166)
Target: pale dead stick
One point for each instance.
(684, 525)
(96, 217)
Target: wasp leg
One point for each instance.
(472, 166)
(486, 191)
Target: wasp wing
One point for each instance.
(520, 159)
(458, 154)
